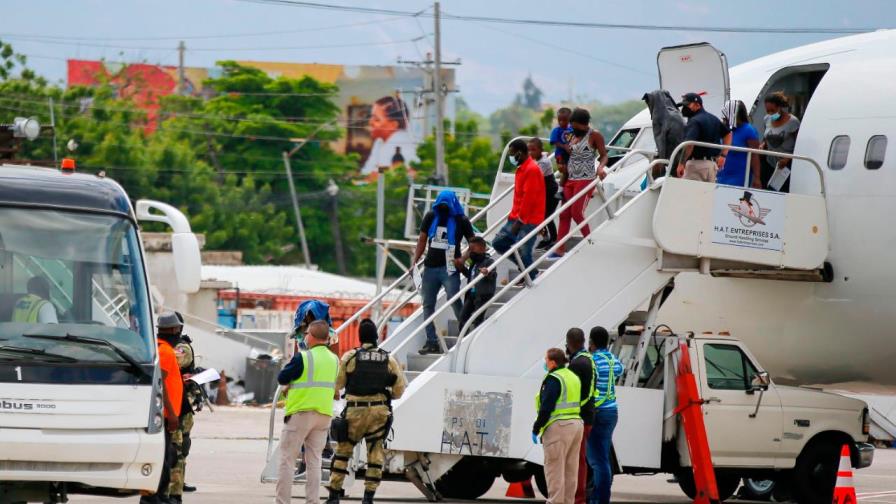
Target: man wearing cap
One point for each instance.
(169, 330)
(308, 381)
(699, 163)
(372, 378)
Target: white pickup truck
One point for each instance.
(757, 430)
(770, 436)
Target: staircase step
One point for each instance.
(450, 341)
(453, 328)
(421, 362)
(507, 296)
(410, 375)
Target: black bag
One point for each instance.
(339, 428)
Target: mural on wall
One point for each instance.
(384, 110)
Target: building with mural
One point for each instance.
(386, 110)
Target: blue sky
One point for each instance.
(609, 65)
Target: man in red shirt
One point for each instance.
(528, 204)
(170, 328)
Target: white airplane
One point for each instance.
(837, 332)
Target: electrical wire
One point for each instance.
(203, 37)
(219, 49)
(571, 24)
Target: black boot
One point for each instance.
(368, 497)
(334, 496)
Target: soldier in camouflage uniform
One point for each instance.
(192, 401)
(372, 378)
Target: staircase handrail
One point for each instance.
(618, 194)
(367, 307)
(750, 151)
(586, 191)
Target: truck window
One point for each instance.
(727, 367)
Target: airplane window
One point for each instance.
(875, 152)
(839, 152)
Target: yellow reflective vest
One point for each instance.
(569, 404)
(28, 308)
(314, 390)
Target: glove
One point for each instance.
(534, 438)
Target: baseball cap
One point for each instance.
(691, 98)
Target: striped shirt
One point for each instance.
(603, 359)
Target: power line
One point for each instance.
(571, 24)
(203, 37)
(218, 49)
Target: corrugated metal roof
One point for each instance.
(290, 280)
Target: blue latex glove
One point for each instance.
(534, 438)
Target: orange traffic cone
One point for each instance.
(521, 490)
(844, 491)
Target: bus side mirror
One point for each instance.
(184, 245)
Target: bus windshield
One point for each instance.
(67, 274)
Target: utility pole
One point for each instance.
(433, 66)
(441, 169)
(181, 78)
(295, 207)
(380, 224)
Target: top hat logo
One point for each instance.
(748, 210)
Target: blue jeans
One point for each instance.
(433, 280)
(598, 454)
(506, 238)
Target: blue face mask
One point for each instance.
(773, 117)
(545, 365)
(514, 161)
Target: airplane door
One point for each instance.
(695, 68)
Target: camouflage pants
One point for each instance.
(180, 441)
(363, 423)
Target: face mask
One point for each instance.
(514, 161)
(773, 117)
(579, 133)
(687, 112)
(443, 210)
(477, 258)
(546, 370)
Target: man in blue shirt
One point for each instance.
(605, 415)
(699, 163)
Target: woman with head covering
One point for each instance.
(733, 164)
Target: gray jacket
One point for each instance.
(668, 124)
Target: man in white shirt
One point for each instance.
(35, 306)
(388, 130)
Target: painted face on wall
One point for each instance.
(381, 126)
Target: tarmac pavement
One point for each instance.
(228, 455)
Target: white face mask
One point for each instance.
(514, 161)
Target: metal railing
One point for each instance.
(750, 151)
(513, 252)
(406, 275)
(525, 272)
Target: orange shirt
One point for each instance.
(172, 383)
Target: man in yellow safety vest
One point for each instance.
(309, 384)
(560, 426)
(35, 306)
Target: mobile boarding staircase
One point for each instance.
(466, 416)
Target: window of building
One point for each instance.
(727, 367)
(875, 152)
(839, 152)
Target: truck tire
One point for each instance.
(756, 489)
(816, 472)
(469, 479)
(726, 483)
